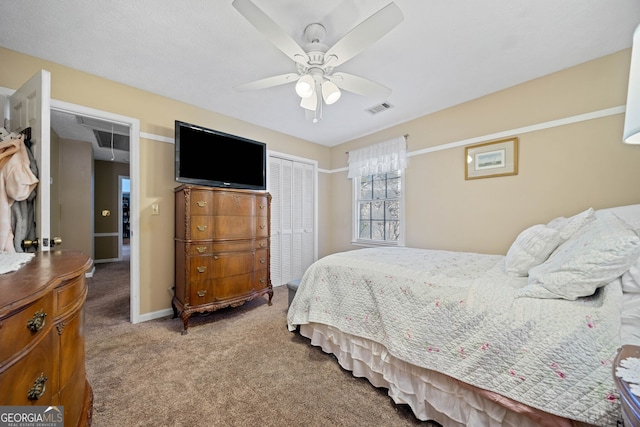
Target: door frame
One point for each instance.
(134, 176)
(134, 195)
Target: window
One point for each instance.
(378, 208)
(377, 171)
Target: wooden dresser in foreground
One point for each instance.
(222, 249)
(42, 354)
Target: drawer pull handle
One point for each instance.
(262, 226)
(38, 389)
(261, 206)
(262, 260)
(262, 280)
(201, 203)
(201, 293)
(201, 249)
(263, 244)
(201, 269)
(37, 321)
(202, 227)
(215, 257)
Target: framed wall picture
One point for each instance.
(491, 159)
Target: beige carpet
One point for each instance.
(235, 367)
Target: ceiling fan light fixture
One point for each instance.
(304, 86)
(330, 92)
(310, 102)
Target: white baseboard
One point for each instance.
(90, 272)
(155, 315)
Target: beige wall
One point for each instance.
(156, 115)
(562, 170)
(106, 197)
(75, 196)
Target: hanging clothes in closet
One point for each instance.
(17, 183)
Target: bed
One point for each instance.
(522, 339)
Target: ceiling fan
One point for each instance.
(315, 78)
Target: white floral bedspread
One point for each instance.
(456, 313)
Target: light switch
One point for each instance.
(155, 209)
(106, 212)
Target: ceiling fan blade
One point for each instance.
(266, 26)
(360, 85)
(268, 82)
(365, 34)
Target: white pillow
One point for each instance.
(567, 227)
(532, 247)
(631, 279)
(630, 328)
(629, 214)
(599, 252)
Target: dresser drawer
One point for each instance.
(201, 227)
(236, 204)
(227, 288)
(209, 248)
(199, 249)
(234, 227)
(222, 227)
(199, 268)
(262, 226)
(201, 202)
(261, 244)
(261, 279)
(68, 294)
(17, 331)
(262, 206)
(201, 292)
(234, 246)
(35, 375)
(232, 264)
(261, 260)
(198, 280)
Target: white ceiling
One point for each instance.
(444, 52)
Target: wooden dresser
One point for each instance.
(42, 354)
(222, 249)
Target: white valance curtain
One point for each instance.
(378, 158)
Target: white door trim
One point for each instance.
(134, 175)
(134, 195)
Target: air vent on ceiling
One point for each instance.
(120, 142)
(98, 124)
(379, 108)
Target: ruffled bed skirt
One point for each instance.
(431, 395)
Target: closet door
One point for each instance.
(291, 184)
(281, 213)
(29, 106)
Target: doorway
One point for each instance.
(133, 126)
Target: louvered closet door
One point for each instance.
(292, 218)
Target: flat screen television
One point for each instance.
(216, 159)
